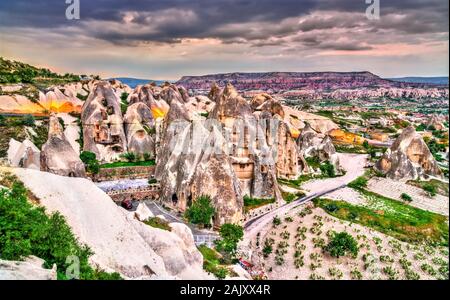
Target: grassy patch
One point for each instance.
(357, 149)
(252, 203)
(212, 261)
(289, 197)
(120, 164)
(296, 183)
(158, 223)
(391, 217)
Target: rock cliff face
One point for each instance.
(408, 158)
(140, 129)
(103, 128)
(57, 155)
(189, 168)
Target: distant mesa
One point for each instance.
(319, 85)
(134, 82)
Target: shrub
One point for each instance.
(430, 189)
(342, 244)
(276, 221)
(152, 181)
(230, 235)
(124, 103)
(147, 156)
(129, 156)
(201, 211)
(406, 197)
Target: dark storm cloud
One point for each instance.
(232, 21)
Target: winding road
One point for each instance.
(353, 164)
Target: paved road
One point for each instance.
(158, 210)
(352, 163)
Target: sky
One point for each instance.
(167, 39)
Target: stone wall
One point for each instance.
(148, 193)
(254, 213)
(107, 174)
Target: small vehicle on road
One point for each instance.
(127, 204)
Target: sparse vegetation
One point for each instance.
(391, 217)
(158, 223)
(212, 262)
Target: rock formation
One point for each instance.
(140, 129)
(408, 158)
(312, 144)
(150, 95)
(57, 155)
(120, 242)
(243, 161)
(31, 268)
(24, 155)
(103, 128)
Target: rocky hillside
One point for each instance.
(292, 80)
(318, 85)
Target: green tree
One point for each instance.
(366, 144)
(90, 161)
(342, 244)
(28, 120)
(201, 211)
(328, 169)
(230, 235)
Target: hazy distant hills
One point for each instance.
(283, 81)
(423, 80)
(133, 82)
(296, 80)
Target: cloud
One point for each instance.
(259, 31)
